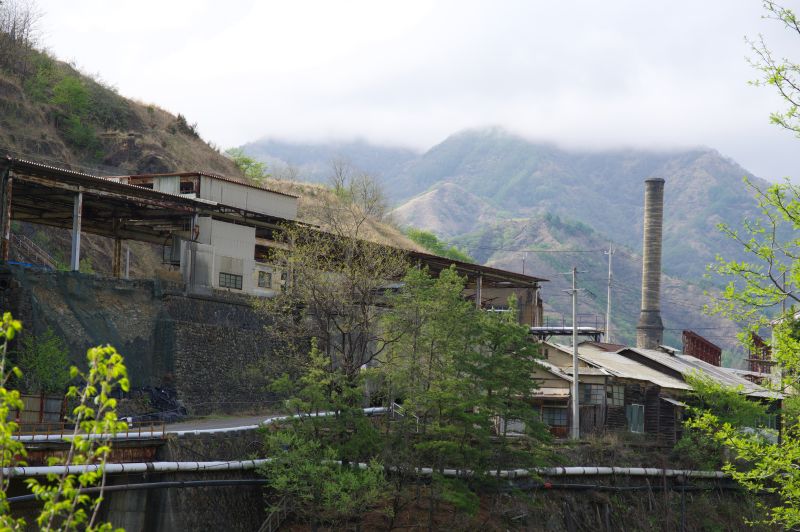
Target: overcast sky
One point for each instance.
(579, 73)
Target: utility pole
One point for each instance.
(576, 433)
(607, 335)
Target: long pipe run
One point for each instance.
(160, 434)
(203, 467)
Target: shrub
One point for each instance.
(43, 360)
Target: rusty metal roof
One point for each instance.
(237, 180)
(687, 365)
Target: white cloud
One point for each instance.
(581, 73)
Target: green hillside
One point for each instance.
(52, 112)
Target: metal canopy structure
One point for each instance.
(46, 195)
(57, 197)
(545, 333)
(490, 277)
(113, 207)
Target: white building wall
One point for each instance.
(233, 249)
(168, 184)
(248, 198)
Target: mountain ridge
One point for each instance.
(478, 185)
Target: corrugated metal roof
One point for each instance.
(237, 180)
(587, 371)
(688, 365)
(623, 367)
(555, 370)
(558, 393)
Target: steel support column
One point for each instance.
(5, 223)
(116, 260)
(77, 212)
(479, 292)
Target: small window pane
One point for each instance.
(635, 415)
(554, 416)
(265, 279)
(230, 280)
(615, 395)
(591, 394)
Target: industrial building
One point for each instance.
(214, 230)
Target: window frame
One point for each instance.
(612, 397)
(562, 411)
(230, 280)
(629, 409)
(266, 275)
(596, 393)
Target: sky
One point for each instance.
(581, 74)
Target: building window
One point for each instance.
(615, 395)
(265, 279)
(767, 421)
(229, 280)
(635, 415)
(554, 416)
(592, 394)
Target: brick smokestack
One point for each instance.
(650, 329)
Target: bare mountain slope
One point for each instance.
(447, 210)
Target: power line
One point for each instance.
(471, 248)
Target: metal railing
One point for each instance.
(29, 249)
(141, 429)
(276, 516)
(596, 321)
(398, 410)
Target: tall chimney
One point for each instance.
(650, 329)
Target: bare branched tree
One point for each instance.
(335, 291)
(19, 33)
(778, 71)
(359, 198)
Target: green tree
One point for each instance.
(315, 455)
(463, 378)
(42, 360)
(757, 289)
(64, 506)
(335, 292)
(778, 71)
(322, 490)
(252, 169)
(95, 423)
(71, 96)
(431, 243)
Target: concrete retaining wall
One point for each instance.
(215, 351)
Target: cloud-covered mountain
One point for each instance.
(497, 194)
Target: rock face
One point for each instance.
(214, 352)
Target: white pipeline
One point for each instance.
(141, 467)
(203, 467)
(160, 434)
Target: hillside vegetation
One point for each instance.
(55, 113)
(51, 112)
